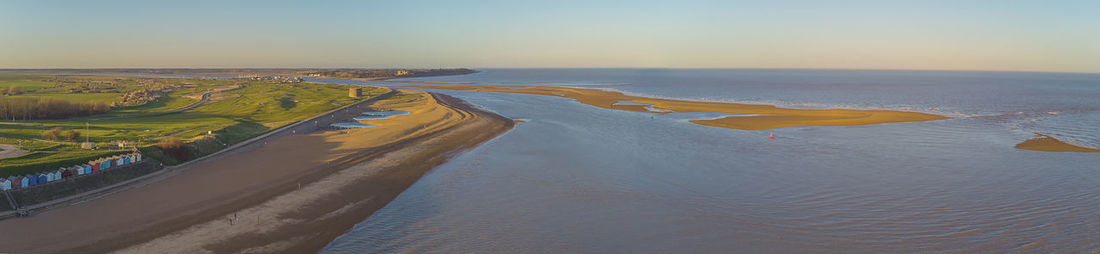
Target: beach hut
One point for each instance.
(24, 182)
(16, 182)
(33, 180)
(87, 169)
(137, 157)
(43, 178)
(70, 172)
(49, 176)
(126, 159)
(5, 184)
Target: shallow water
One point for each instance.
(380, 115)
(352, 125)
(577, 178)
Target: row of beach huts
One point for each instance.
(92, 167)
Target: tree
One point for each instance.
(173, 146)
(72, 136)
(52, 134)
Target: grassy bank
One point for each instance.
(235, 110)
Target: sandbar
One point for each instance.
(763, 116)
(1046, 143)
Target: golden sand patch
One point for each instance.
(1045, 143)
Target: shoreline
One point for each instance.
(167, 212)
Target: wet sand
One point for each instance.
(762, 116)
(1045, 143)
(293, 195)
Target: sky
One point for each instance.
(1056, 36)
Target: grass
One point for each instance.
(171, 102)
(232, 116)
(36, 162)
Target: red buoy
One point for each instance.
(771, 135)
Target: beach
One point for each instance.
(293, 194)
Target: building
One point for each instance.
(355, 92)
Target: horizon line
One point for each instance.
(477, 68)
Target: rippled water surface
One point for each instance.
(577, 178)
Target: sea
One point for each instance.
(576, 178)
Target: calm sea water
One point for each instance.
(577, 178)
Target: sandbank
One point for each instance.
(764, 116)
(1047, 143)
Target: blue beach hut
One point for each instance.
(33, 180)
(5, 184)
(43, 178)
(24, 182)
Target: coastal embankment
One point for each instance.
(292, 193)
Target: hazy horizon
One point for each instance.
(848, 35)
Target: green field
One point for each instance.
(236, 110)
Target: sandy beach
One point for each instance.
(762, 116)
(294, 194)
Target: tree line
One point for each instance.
(33, 108)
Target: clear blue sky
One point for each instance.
(953, 35)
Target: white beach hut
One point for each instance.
(5, 184)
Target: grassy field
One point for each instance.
(237, 109)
